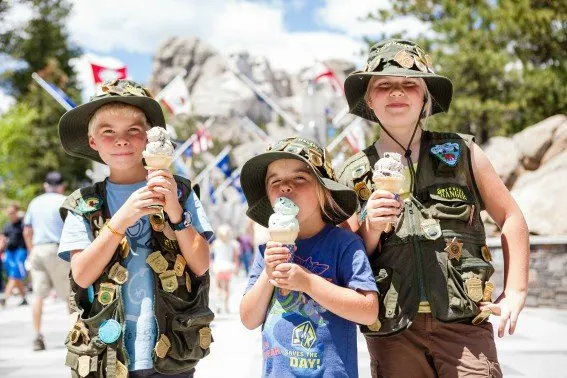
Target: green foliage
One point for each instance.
(507, 60)
(29, 140)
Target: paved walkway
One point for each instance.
(539, 348)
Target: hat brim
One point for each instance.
(259, 207)
(440, 88)
(73, 125)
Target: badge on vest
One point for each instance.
(89, 205)
(473, 286)
(157, 262)
(162, 346)
(118, 273)
(169, 281)
(362, 191)
(205, 337)
(106, 292)
(454, 249)
(448, 153)
(486, 255)
(121, 370)
(375, 326)
(431, 228)
(188, 282)
(109, 331)
(84, 366)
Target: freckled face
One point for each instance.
(294, 179)
(119, 140)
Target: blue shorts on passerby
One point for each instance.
(14, 263)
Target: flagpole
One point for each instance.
(286, 117)
(256, 130)
(222, 187)
(160, 94)
(181, 149)
(42, 83)
(340, 115)
(343, 134)
(205, 172)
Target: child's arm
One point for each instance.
(194, 247)
(254, 303)
(515, 244)
(381, 209)
(358, 306)
(88, 265)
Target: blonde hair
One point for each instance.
(426, 113)
(116, 109)
(330, 209)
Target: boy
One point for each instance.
(139, 282)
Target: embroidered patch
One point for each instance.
(89, 205)
(451, 193)
(448, 153)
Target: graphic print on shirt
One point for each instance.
(295, 320)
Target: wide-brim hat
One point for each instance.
(395, 57)
(253, 176)
(73, 125)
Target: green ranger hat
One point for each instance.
(253, 176)
(73, 125)
(395, 57)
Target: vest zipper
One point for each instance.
(417, 252)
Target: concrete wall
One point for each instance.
(548, 271)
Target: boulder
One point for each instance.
(505, 158)
(533, 141)
(539, 194)
(558, 143)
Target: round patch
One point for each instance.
(90, 293)
(109, 331)
(362, 190)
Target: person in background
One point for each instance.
(42, 230)
(225, 261)
(15, 254)
(246, 251)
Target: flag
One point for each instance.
(322, 72)
(62, 94)
(102, 74)
(201, 141)
(355, 137)
(236, 185)
(212, 192)
(224, 166)
(175, 96)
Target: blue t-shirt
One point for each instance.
(141, 330)
(43, 216)
(300, 338)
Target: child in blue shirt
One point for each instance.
(309, 327)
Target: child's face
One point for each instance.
(119, 140)
(396, 101)
(293, 179)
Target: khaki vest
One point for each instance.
(181, 300)
(437, 251)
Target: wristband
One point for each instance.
(114, 231)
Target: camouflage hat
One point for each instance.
(253, 176)
(395, 57)
(73, 125)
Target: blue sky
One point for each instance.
(291, 34)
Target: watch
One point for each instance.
(185, 222)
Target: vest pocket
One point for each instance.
(450, 202)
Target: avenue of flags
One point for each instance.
(175, 99)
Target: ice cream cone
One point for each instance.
(283, 236)
(392, 184)
(157, 161)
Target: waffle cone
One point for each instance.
(390, 184)
(157, 161)
(283, 236)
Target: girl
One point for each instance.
(311, 331)
(433, 268)
(224, 263)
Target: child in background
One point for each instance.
(312, 330)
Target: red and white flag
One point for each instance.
(201, 141)
(175, 96)
(322, 72)
(102, 74)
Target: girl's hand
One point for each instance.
(292, 277)
(508, 307)
(382, 208)
(161, 181)
(274, 255)
(135, 207)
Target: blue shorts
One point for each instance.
(14, 263)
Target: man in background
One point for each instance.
(12, 242)
(42, 230)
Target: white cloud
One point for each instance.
(228, 25)
(349, 17)
(6, 102)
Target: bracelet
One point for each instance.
(114, 231)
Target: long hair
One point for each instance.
(330, 210)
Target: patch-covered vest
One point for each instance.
(437, 251)
(95, 342)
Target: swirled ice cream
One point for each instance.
(159, 150)
(283, 225)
